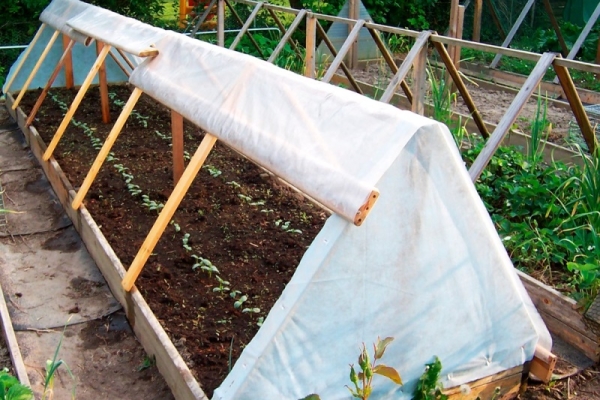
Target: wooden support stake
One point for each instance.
(353, 14)
(420, 79)
(562, 73)
(412, 55)
(24, 57)
(390, 61)
(119, 63)
(366, 208)
(108, 144)
(245, 27)
(343, 50)
(462, 88)
(82, 90)
(67, 43)
(543, 364)
(35, 69)
(334, 52)
(311, 40)
(453, 24)
(511, 115)
(556, 27)
(513, 31)
(287, 36)
(177, 145)
(169, 209)
(459, 33)
(221, 23)
(103, 86)
(62, 62)
(241, 21)
(283, 31)
(477, 20)
(495, 18)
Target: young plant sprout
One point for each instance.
(223, 285)
(213, 171)
(286, 226)
(240, 301)
(254, 310)
(186, 246)
(205, 265)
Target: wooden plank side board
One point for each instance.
(497, 386)
(145, 325)
(10, 340)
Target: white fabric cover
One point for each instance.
(125, 33)
(426, 268)
(59, 12)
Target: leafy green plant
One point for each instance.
(285, 225)
(205, 265)
(12, 389)
(363, 380)
(239, 302)
(429, 386)
(223, 285)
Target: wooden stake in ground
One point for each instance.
(23, 58)
(69, 81)
(82, 90)
(311, 40)
(35, 69)
(354, 14)
(103, 86)
(108, 144)
(168, 210)
(477, 21)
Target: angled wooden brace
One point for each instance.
(246, 26)
(287, 35)
(25, 55)
(511, 115)
(512, 32)
(343, 50)
(283, 31)
(241, 21)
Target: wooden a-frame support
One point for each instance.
(23, 58)
(245, 27)
(513, 31)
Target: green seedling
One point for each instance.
(175, 225)
(234, 293)
(223, 285)
(286, 226)
(254, 310)
(186, 246)
(247, 199)
(234, 184)
(213, 171)
(363, 380)
(240, 301)
(205, 265)
(52, 367)
(12, 389)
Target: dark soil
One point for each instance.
(252, 228)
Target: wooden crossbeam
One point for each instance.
(35, 69)
(343, 50)
(245, 27)
(311, 44)
(106, 147)
(513, 31)
(287, 36)
(168, 210)
(399, 76)
(511, 115)
(462, 89)
(62, 62)
(334, 52)
(25, 56)
(71, 111)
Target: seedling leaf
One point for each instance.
(381, 345)
(388, 372)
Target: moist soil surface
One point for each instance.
(231, 247)
(236, 219)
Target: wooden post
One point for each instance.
(462, 88)
(390, 61)
(477, 20)
(287, 36)
(247, 24)
(420, 79)
(241, 21)
(311, 40)
(511, 115)
(177, 145)
(221, 23)
(411, 57)
(561, 39)
(65, 56)
(108, 144)
(459, 33)
(67, 43)
(35, 69)
(513, 31)
(334, 52)
(82, 90)
(343, 50)
(24, 57)
(543, 364)
(453, 25)
(562, 73)
(169, 209)
(353, 14)
(103, 86)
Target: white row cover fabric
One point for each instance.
(427, 268)
(127, 34)
(59, 12)
(324, 140)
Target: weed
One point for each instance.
(12, 389)
(52, 367)
(147, 362)
(429, 387)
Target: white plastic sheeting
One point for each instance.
(59, 12)
(427, 267)
(125, 33)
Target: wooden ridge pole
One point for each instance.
(399, 76)
(462, 88)
(82, 90)
(511, 115)
(241, 21)
(177, 145)
(287, 36)
(556, 27)
(563, 76)
(168, 210)
(334, 52)
(513, 31)
(108, 144)
(35, 69)
(311, 40)
(477, 20)
(24, 57)
(69, 81)
(245, 27)
(62, 62)
(103, 84)
(390, 61)
(343, 50)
